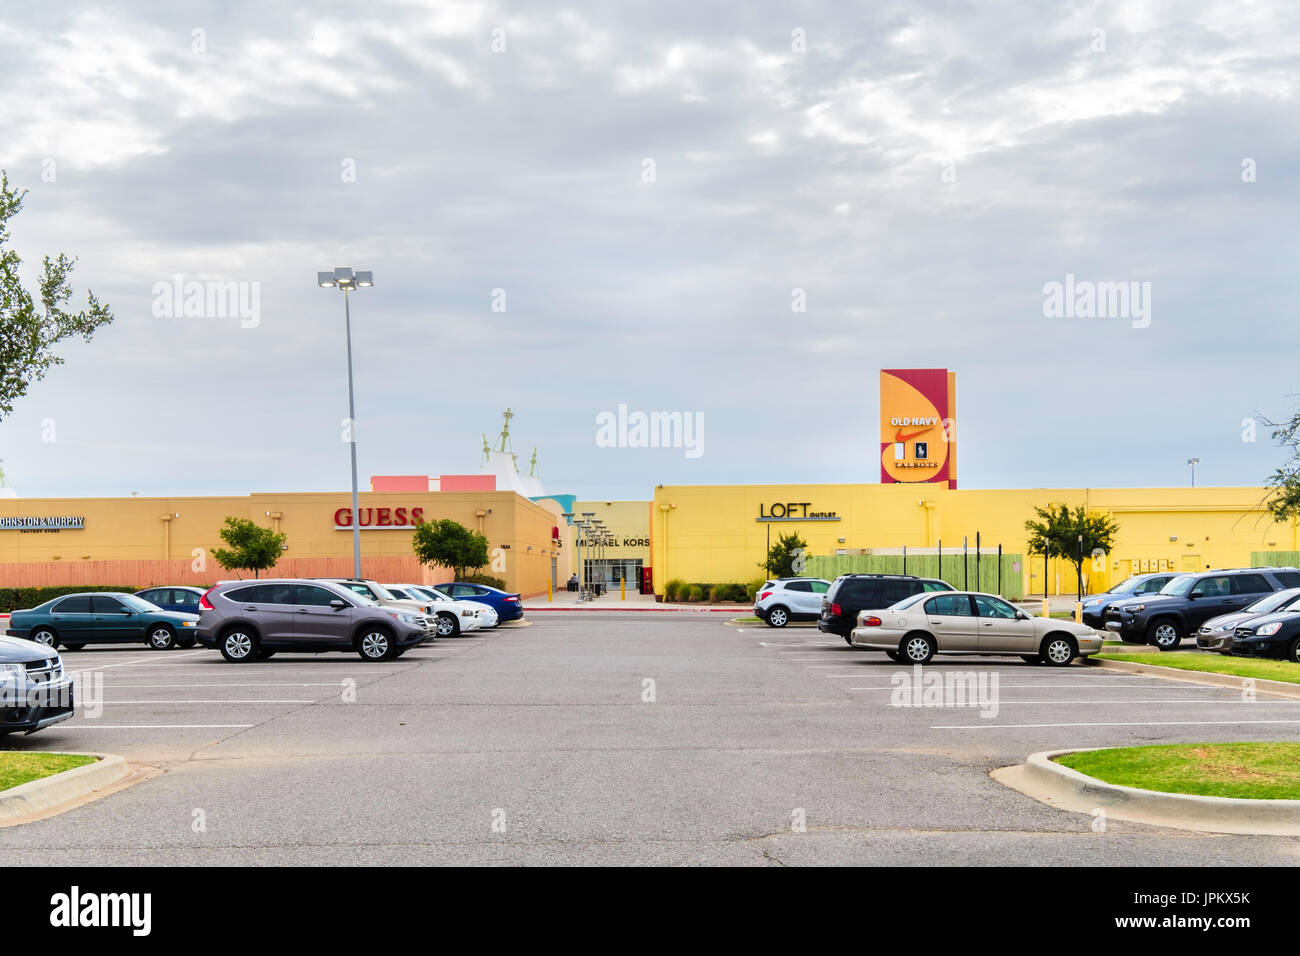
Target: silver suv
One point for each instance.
(782, 600)
(252, 620)
(34, 690)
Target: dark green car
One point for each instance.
(103, 617)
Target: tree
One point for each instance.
(786, 558)
(1284, 484)
(450, 544)
(1056, 534)
(252, 547)
(28, 332)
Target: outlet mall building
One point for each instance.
(707, 534)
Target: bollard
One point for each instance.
(1046, 612)
(622, 589)
(1078, 612)
(549, 596)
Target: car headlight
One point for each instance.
(1268, 630)
(12, 673)
(1092, 603)
(189, 623)
(1134, 608)
(406, 618)
(468, 613)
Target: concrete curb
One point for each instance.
(38, 796)
(1046, 780)
(1278, 688)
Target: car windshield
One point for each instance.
(1273, 602)
(1179, 585)
(381, 592)
(428, 594)
(365, 600)
(136, 603)
(1126, 586)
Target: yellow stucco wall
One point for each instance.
(710, 533)
(154, 528)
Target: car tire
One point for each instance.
(43, 635)
(75, 646)
(262, 655)
(894, 656)
(1293, 652)
(1164, 634)
(1031, 658)
(1058, 650)
(376, 644)
(161, 637)
(917, 648)
(447, 625)
(778, 616)
(238, 645)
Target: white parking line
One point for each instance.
(120, 703)
(261, 684)
(1067, 700)
(1117, 723)
(80, 726)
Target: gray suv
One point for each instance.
(34, 690)
(252, 620)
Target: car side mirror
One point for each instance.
(1021, 616)
(338, 604)
(1195, 594)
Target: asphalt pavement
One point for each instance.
(627, 738)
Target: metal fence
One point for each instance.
(927, 565)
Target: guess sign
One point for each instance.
(379, 518)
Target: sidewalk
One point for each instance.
(634, 601)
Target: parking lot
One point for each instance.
(620, 738)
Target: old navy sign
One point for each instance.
(793, 511)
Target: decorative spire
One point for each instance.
(504, 444)
(532, 465)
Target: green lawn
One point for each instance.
(20, 768)
(747, 620)
(1252, 771)
(1215, 664)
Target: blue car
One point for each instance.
(182, 599)
(1094, 606)
(508, 606)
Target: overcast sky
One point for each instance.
(649, 183)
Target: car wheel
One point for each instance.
(778, 617)
(1058, 650)
(447, 626)
(1164, 635)
(1031, 658)
(162, 637)
(262, 655)
(917, 649)
(43, 635)
(73, 647)
(238, 646)
(848, 639)
(376, 645)
(1293, 653)
(894, 656)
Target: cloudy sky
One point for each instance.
(648, 184)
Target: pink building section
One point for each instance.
(395, 483)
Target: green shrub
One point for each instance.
(673, 590)
(15, 599)
(735, 591)
(695, 592)
(487, 580)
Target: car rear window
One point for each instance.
(1250, 584)
(1288, 579)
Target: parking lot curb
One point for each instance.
(36, 797)
(1276, 687)
(1047, 781)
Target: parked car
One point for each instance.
(34, 690)
(1273, 635)
(183, 599)
(1094, 606)
(970, 622)
(851, 593)
(782, 600)
(486, 612)
(1216, 634)
(450, 617)
(1189, 600)
(376, 592)
(254, 620)
(103, 617)
(508, 606)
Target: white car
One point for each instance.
(913, 630)
(450, 616)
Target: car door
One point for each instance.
(1210, 597)
(111, 620)
(1001, 628)
(316, 620)
(798, 595)
(818, 591)
(71, 618)
(952, 622)
(269, 607)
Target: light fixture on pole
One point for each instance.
(345, 280)
(1193, 462)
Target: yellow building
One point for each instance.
(716, 534)
(621, 553)
(147, 541)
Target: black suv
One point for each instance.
(1189, 600)
(851, 593)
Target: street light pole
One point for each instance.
(345, 280)
(1193, 462)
